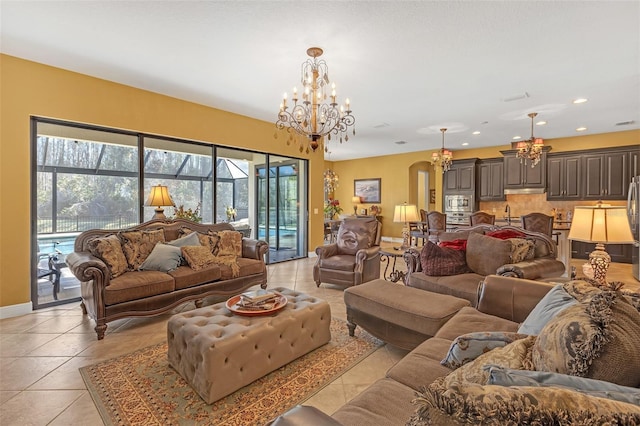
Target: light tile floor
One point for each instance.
(40, 354)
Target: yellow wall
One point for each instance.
(399, 172)
(29, 88)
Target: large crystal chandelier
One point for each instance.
(317, 114)
(442, 158)
(530, 149)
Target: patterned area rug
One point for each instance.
(142, 389)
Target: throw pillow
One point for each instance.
(505, 234)
(198, 257)
(473, 404)
(470, 346)
(596, 339)
(209, 240)
(163, 257)
(554, 302)
(600, 388)
(460, 244)
(521, 249)
(486, 254)
(229, 244)
(516, 354)
(109, 250)
(190, 239)
(356, 234)
(440, 261)
(137, 245)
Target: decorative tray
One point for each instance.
(232, 305)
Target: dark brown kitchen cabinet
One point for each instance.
(606, 175)
(620, 253)
(461, 176)
(490, 177)
(519, 174)
(563, 177)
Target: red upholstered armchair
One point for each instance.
(354, 258)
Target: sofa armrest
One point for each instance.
(305, 415)
(510, 298)
(363, 255)
(254, 249)
(86, 267)
(533, 269)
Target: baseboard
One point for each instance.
(15, 310)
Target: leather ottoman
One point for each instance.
(400, 315)
(218, 352)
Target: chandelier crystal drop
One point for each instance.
(442, 158)
(315, 112)
(530, 149)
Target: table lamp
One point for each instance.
(355, 201)
(159, 197)
(600, 224)
(405, 213)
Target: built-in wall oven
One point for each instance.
(458, 208)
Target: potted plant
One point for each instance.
(188, 214)
(332, 208)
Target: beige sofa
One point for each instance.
(503, 303)
(112, 290)
(484, 258)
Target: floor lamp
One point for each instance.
(600, 224)
(405, 213)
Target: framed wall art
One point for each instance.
(367, 189)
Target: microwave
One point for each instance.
(458, 203)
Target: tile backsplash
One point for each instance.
(522, 204)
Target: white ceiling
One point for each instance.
(411, 66)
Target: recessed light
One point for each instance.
(465, 143)
(400, 142)
(515, 138)
(477, 132)
(541, 123)
(580, 100)
(581, 129)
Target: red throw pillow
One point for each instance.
(505, 234)
(440, 261)
(460, 244)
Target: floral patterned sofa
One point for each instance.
(153, 267)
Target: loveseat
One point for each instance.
(465, 256)
(482, 368)
(151, 268)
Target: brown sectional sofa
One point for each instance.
(465, 285)
(107, 296)
(420, 390)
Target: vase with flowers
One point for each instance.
(332, 208)
(188, 214)
(231, 213)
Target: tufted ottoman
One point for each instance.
(218, 352)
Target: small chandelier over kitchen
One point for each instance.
(317, 114)
(442, 158)
(530, 149)
(331, 181)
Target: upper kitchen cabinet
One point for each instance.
(563, 176)
(490, 179)
(519, 176)
(607, 174)
(461, 177)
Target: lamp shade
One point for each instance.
(405, 213)
(356, 200)
(159, 197)
(601, 224)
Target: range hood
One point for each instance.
(524, 191)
